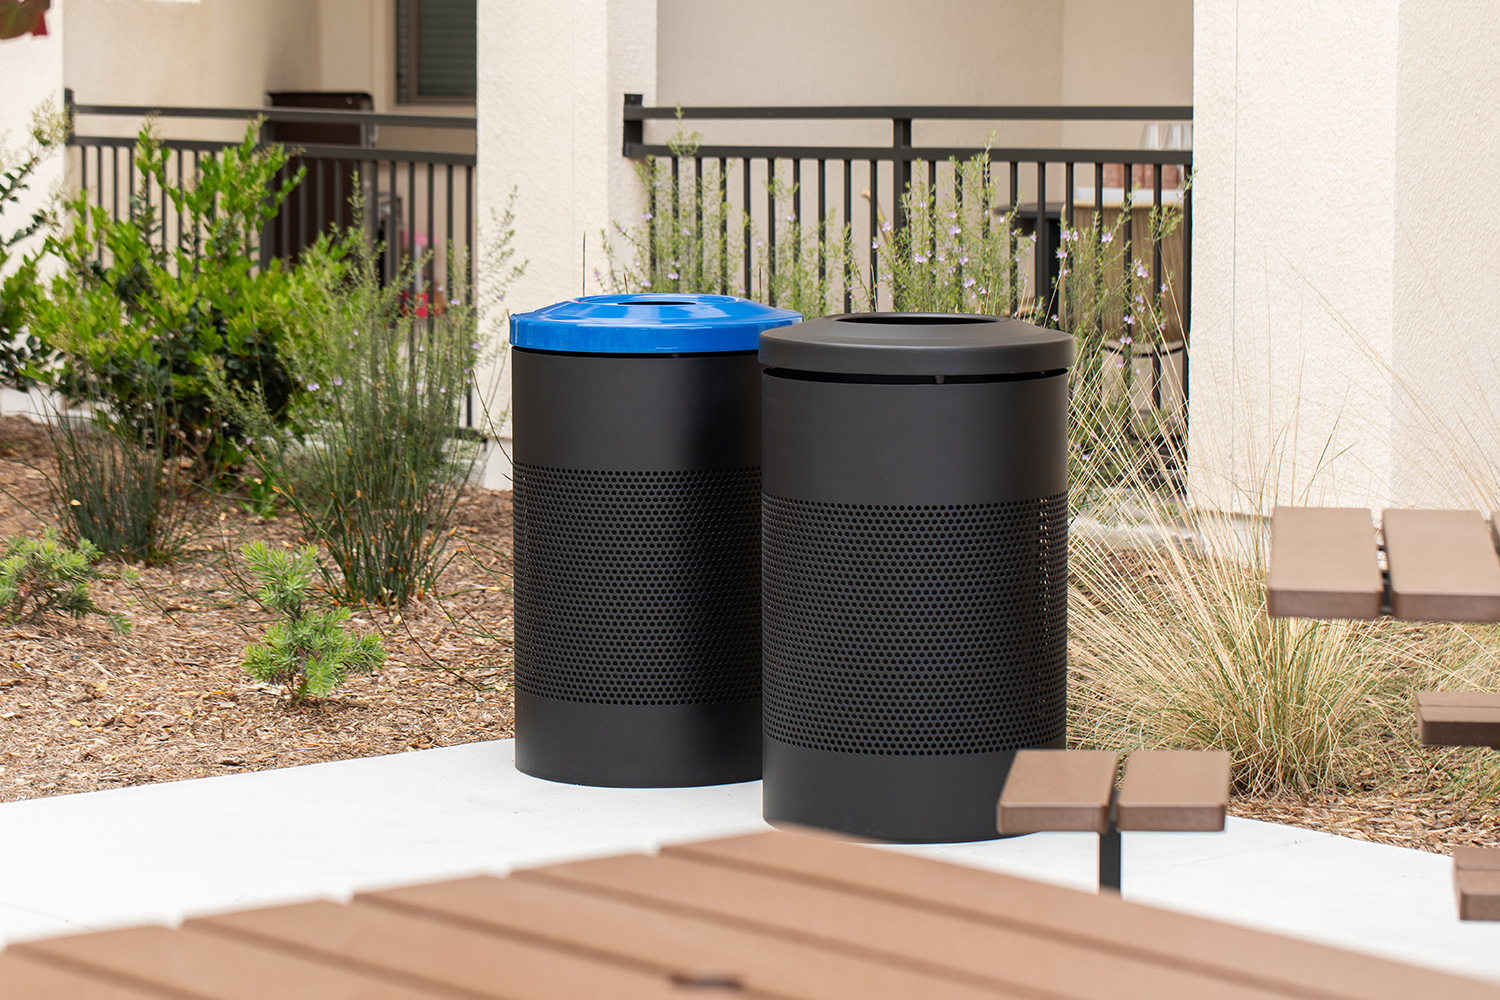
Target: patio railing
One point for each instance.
(416, 201)
(1041, 185)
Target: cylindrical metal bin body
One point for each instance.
(914, 575)
(637, 540)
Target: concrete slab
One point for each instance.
(163, 852)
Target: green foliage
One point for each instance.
(42, 577)
(308, 653)
(378, 479)
(19, 277)
(117, 489)
(131, 314)
(690, 240)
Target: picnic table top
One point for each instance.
(765, 915)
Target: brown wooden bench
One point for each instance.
(1074, 790)
(1440, 565)
(772, 915)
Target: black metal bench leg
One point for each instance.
(1109, 854)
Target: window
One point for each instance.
(436, 50)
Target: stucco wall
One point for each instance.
(1340, 252)
(212, 54)
(31, 74)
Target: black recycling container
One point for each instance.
(914, 568)
(637, 539)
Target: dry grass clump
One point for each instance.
(1171, 646)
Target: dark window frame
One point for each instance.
(408, 69)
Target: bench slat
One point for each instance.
(1477, 858)
(1053, 790)
(1302, 968)
(27, 979)
(943, 944)
(1324, 564)
(1443, 566)
(669, 942)
(383, 942)
(183, 961)
(1458, 718)
(1478, 894)
(1181, 790)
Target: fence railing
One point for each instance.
(1038, 187)
(416, 202)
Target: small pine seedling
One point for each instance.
(44, 576)
(308, 653)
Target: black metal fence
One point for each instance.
(1038, 187)
(417, 203)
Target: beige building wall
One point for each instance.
(31, 74)
(1342, 248)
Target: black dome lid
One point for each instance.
(916, 344)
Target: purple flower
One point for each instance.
(1164, 288)
(1062, 254)
(337, 380)
(919, 258)
(954, 230)
(874, 244)
(1127, 340)
(645, 216)
(968, 282)
(672, 275)
(1130, 321)
(885, 227)
(1107, 238)
(313, 387)
(1140, 271)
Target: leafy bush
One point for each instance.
(41, 577)
(385, 462)
(130, 314)
(308, 654)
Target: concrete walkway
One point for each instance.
(161, 852)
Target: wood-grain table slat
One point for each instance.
(1179, 790)
(670, 942)
(212, 967)
(1049, 790)
(1442, 565)
(938, 943)
(1106, 923)
(430, 953)
(23, 978)
(1324, 564)
(1458, 718)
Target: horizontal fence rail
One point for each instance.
(1054, 193)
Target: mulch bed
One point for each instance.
(83, 709)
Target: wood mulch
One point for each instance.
(83, 709)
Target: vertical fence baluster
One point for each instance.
(449, 243)
(875, 234)
(823, 233)
(1010, 239)
(770, 279)
(1041, 266)
(849, 226)
(745, 211)
(698, 244)
(723, 211)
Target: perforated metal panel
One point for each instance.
(915, 630)
(638, 588)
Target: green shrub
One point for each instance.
(117, 489)
(308, 654)
(378, 477)
(42, 577)
(20, 284)
(131, 315)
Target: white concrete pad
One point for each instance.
(162, 852)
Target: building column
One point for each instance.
(1343, 254)
(552, 76)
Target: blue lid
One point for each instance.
(658, 323)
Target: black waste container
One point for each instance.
(637, 539)
(914, 568)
